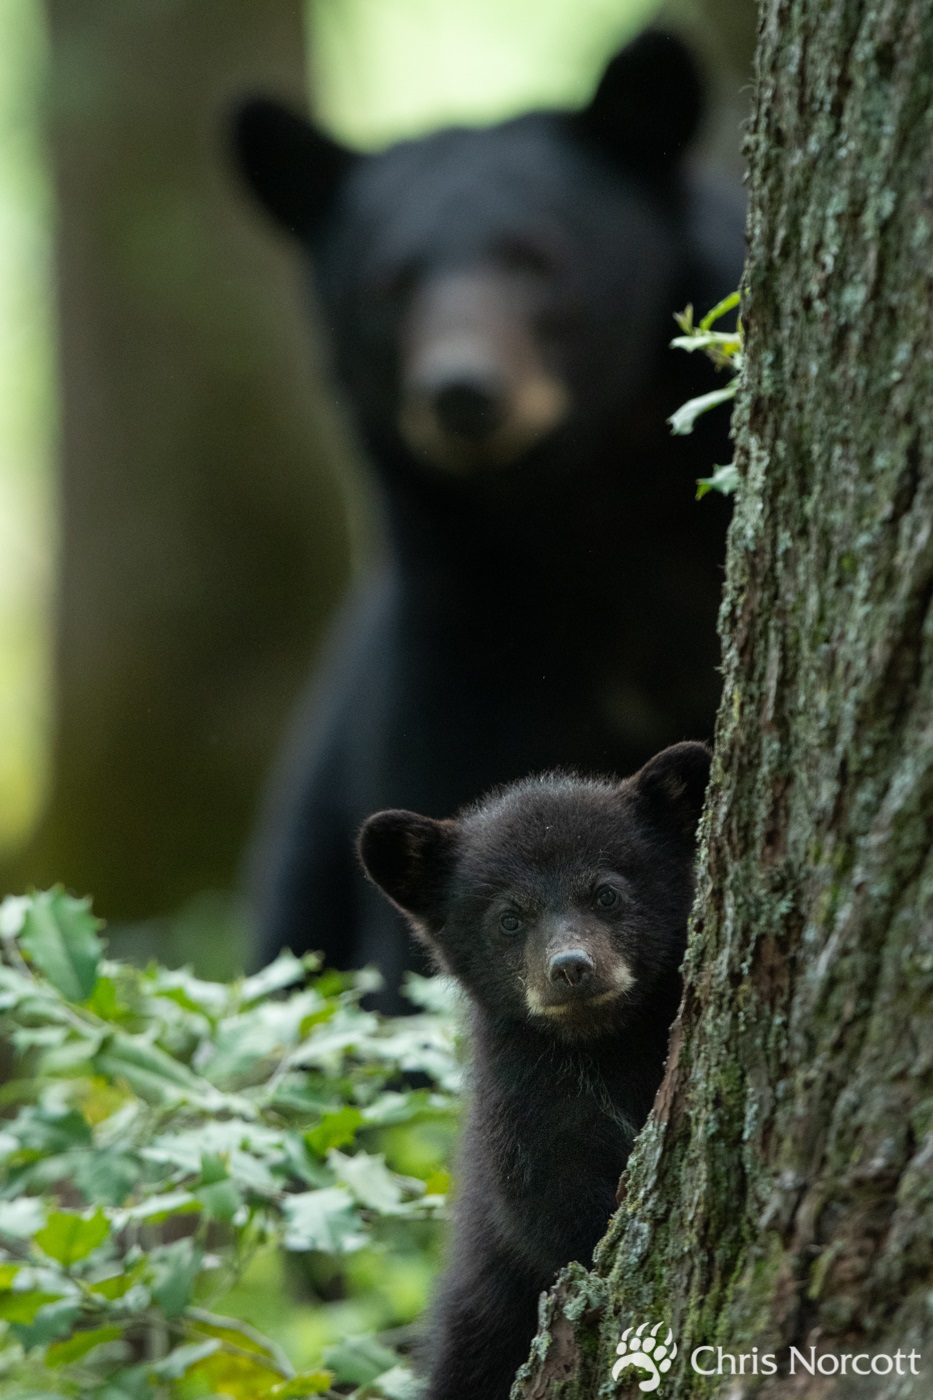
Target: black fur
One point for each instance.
(567, 1052)
(557, 610)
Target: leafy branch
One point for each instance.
(725, 349)
(161, 1129)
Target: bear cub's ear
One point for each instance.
(648, 105)
(292, 168)
(673, 787)
(408, 857)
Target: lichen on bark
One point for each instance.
(782, 1195)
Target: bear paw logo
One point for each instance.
(647, 1353)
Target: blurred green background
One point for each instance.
(181, 504)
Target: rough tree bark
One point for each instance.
(782, 1193)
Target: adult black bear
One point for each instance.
(500, 304)
(560, 906)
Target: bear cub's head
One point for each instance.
(559, 900)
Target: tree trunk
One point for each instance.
(202, 536)
(781, 1194)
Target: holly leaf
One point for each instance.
(59, 935)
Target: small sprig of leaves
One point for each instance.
(161, 1129)
(724, 348)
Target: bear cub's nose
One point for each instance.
(570, 968)
(468, 408)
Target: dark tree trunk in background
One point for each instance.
(202, 529)
(782, 1193)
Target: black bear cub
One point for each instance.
(560, 905)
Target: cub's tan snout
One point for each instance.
(572, 968)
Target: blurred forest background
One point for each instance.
(181, 502)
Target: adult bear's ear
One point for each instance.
(672, 787)
(293, 169)
(409, 857)
(648, 104)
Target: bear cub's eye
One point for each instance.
(509, 923)
(605, 897)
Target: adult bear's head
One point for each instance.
(490, 290)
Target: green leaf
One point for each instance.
(438, 1183)
(155, 1075)
(68, 1236)
(727, 343)
(13, 911)
(286, 970)
(22, 1307)
(104, 1000)
(174, 1269)
(59, 935)
(32, 1394)
(158, 1208)
(439, 993)
(21, 1218)
(221, 1200)
(724, 479)
(8, 1273)
(190, 992)
(721, 309)
(213, 1168)
(106, 1177)
(308, 1383)
(359, 1360)
(683, 419)
(370, 1181)
(173, 1366)
(78, 1345)
(48, 1130)
(327, 1220)
(334, 1130)
(128, 1383)
(115, 1285)
(397, 1383)
(51, 1322)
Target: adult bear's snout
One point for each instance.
(475, 391)
(470, 407)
